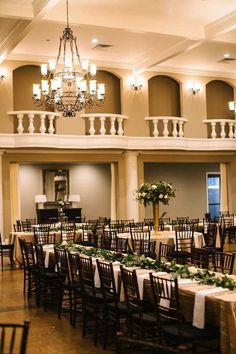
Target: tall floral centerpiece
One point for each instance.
(155, 193)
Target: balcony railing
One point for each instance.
(222, 128)
(28, 119)
(167, 126)
(115, 123)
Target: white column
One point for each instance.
(223, 188)
(131, 176)
(1, 198)
(15, 192)
(113, 192)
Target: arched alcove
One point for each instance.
(112, 102)
(23, 79)
(218, 95)
(164, 96)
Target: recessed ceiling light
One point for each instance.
(226, 55)
(94, 40)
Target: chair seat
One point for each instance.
(148, 317)
(190, 332)
(121, 307)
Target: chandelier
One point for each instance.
(75, 86)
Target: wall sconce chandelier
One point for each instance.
(135, 83)
(3, 75)
(74, 87)
(194, 87)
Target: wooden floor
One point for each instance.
(47, 334)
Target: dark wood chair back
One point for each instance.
(14, 337)
(223, 262)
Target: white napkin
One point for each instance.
(199, 305)
(140, 277)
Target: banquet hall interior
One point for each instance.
(118, 126)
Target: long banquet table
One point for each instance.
(220, 307)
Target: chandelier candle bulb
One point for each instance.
(85, 65)
(54, 84)
(83, 86)
(44, 85)
(92, 87)
(52, 65)
(93, 69)
(101, 89)
(44, 69)
(36, 89)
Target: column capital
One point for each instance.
(131, 153)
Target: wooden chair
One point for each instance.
(92, 298)
(141, 321)
(41, 235)
(172, 325)
(136, 237)
(63, 270)
(7, 250)
(14, 337)
(184, 242)
(68, 232)
(46, 282)
(230, 235)
(200, 257)
(106, 241)
(121, 245)
(75, 288)
(149, 222)
(223, 262)
(115, 312)
(166, 252)
(28, 259)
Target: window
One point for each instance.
(213, 194)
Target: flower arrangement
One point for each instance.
(155, 192)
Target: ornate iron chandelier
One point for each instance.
(74, 87)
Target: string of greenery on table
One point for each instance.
(203, 276)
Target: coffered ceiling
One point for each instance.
(164, 35)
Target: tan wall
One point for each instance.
(134, 104)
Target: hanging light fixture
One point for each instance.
(74, 87)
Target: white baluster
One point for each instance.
(181, 132)
(165, 130)
(213, 130)
(42, 128)
(231, 131)
(113, 129)
(155, 128)
(51, 129)
(20, 128)
(222, 133)
(91, 128)
(174, 131)
(120, 128)
(31, 123)
(102, 129)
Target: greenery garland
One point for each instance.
(203, 276)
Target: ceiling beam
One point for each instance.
(22, 27)
(221, 26)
